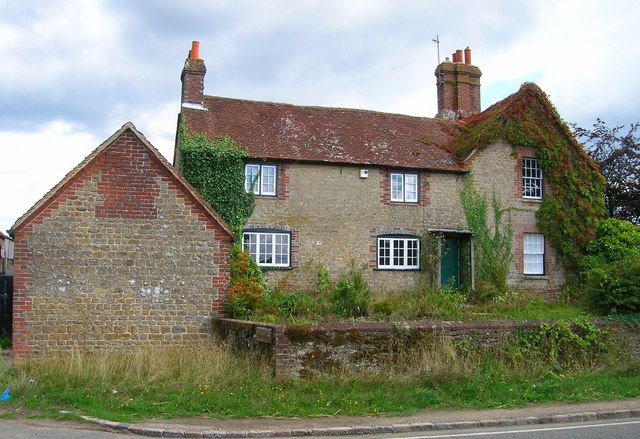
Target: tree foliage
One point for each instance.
(618, 155)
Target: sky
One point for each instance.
(72, 72)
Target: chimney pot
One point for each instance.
(467, 56)
(459, 55)
(195, 50)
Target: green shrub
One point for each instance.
(615, 240)
(576, 345)
(386, 307)
(295, 306)
(351, 296)
(446, 303)
(5, 342)
(611, 268)
(615, 287)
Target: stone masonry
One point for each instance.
(310, 349)
(121, 253)
(337, 215)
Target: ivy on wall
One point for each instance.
(570, 213)
(492, 247)
(216, 170)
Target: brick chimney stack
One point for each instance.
(458, 85)
(193, 78)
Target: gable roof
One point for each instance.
(320, 134)
(523, 118)
(155, 155)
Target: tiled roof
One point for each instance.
(320, 134)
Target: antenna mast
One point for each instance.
(437, 41)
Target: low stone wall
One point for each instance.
(305, 350)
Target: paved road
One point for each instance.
(610, 429)
(621, 418)
(14, 430)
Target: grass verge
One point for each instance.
(212, 381)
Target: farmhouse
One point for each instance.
(345, 188)
(121, 253)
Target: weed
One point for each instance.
(351, 296)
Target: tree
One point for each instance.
(618, 156)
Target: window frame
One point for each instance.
(532, 179)
(260, 179)
(530, 252)
(390, 259)
(271, 256)
(404, 184)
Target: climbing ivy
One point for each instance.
(216, 169)
(569, 214)
(492, 247)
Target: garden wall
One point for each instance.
(305, 350)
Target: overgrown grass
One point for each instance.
(213, 381)
(351, 297)
(417, 303)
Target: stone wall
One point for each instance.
(498, 169)
(306, 350)
(336, 216)
(121, 257)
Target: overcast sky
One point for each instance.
(72, 72)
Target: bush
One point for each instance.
(351, 295)
(446, 303)
(386, 307)
(611, 268)
(615, 288)
(245, 286)
(294, 306)
(615, 240)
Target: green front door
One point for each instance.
(449, 265)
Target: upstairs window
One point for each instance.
(268, 249)
(261, 179)
(533, 253)
(398, 253)
(531, 179)
(404, 187)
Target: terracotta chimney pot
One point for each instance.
(459, 55)
(467, 56)
(195, 50)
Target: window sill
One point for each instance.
(536, 276)
(396, 269)
(275, 268)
